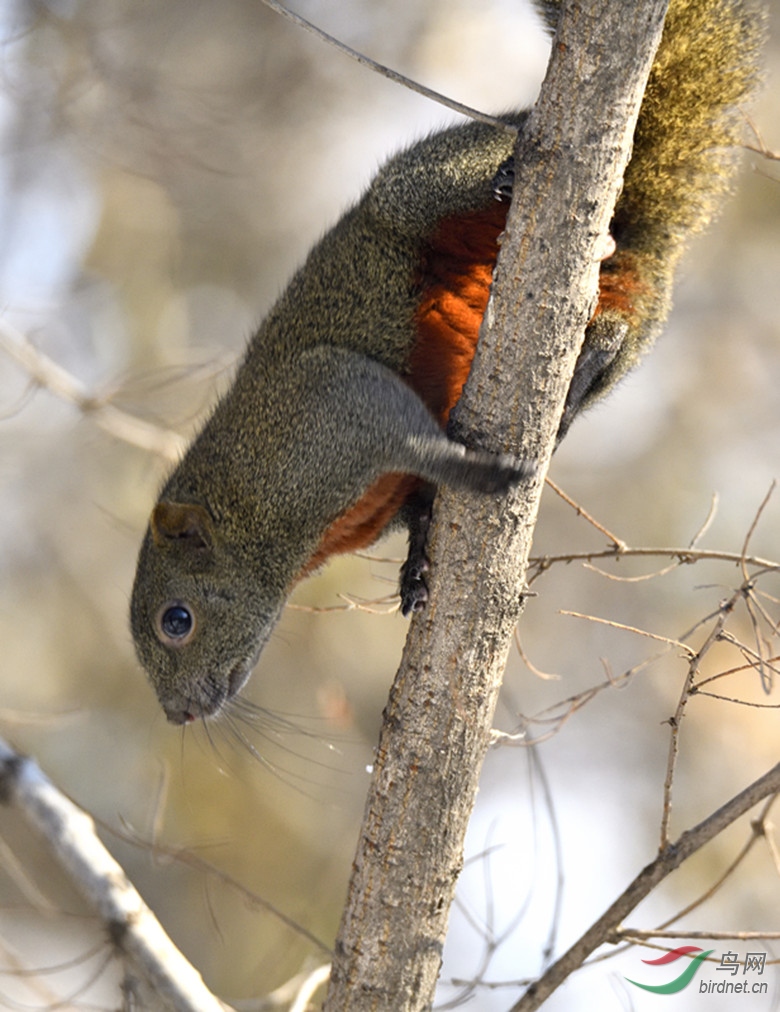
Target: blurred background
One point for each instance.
(165, 167)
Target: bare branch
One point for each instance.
(636, 934)
(309, 987)
(47, 373)
(130, 924)
(684, 556)
(603, 930)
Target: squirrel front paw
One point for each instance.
(504, 180)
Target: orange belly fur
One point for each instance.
(455, 275)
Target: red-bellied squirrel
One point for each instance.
(334, 428)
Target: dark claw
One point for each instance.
(504, 180)
(414, 589)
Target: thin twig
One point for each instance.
(630, 628)
(759, 148)
(391, 75)
(711, 512)
(44, 996)
(675, 721)
(754, 524)
(618, 543)
(739, 702)
(737, 669)
(755, 659)
(547, 676)
(388, 605)
(572, 704)
(183, 856)
(766, 678)
(632, 579)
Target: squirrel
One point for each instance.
(334, 429)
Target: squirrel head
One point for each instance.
(198, 631)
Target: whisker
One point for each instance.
(258, 717)
(212, 741)
(272, 728)
(288, 777)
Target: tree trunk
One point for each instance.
(437, 724)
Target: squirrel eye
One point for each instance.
(175, 624)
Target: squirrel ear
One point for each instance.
(181, 522)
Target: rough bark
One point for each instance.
(438, 719)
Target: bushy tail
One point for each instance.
(685, 146)
(683, 160)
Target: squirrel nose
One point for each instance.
(178, 716)
(203, 699)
